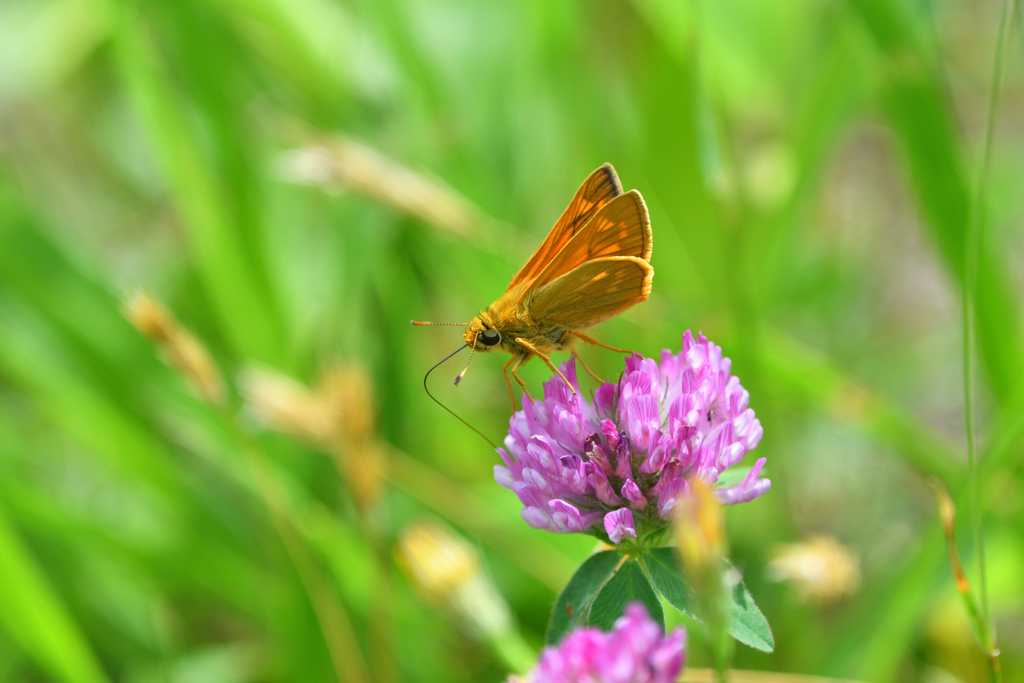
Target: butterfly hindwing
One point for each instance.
(592, 292)
(600, 186)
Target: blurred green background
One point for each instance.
(297, 179)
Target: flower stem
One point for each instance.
(513, 650)
(973, 242)
(982, 627)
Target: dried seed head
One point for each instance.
(280, 403)
(150, 317)
(344, 163)
(182, 350)
(336, 416)
(348, 390)
(357, 449)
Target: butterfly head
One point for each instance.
(481, 336)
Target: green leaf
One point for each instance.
(667, 576)
(746, 623)
(630, 584)
(573, 604)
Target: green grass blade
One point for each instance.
(36, 617)
(918, 109)
(231, 279)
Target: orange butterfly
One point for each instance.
(594, 264)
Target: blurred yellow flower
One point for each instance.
(822, 569)
(700, 533)
(446, 570)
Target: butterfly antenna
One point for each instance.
(434, 399)
(459, 377)
(421, 323)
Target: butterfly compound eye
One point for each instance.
(490, 337)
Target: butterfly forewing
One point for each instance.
(592, 292)
(620, 228)
(599, 187)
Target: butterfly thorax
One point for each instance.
(513, 321)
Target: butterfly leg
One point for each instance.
(519, 362)
(508, 380)
(529, 347)
(591, 340)
(585, 367)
